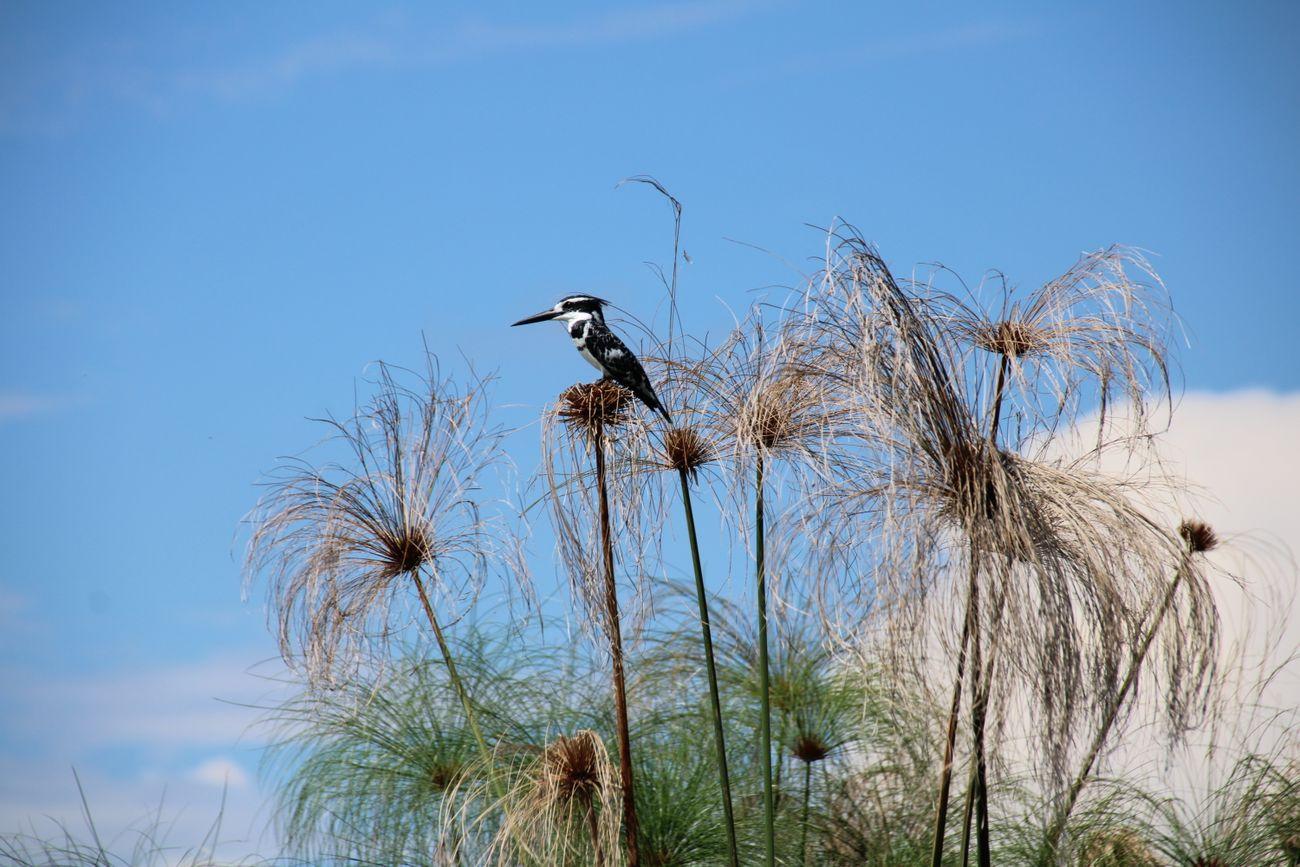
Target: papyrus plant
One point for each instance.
(596, 419)
(1057, 559)
(345, 545)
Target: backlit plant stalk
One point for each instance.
(456, 682)
(1198, 538)
(764, 686)
(686, 450)
(616, 654)
(981, 682)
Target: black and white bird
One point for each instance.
(583, 316)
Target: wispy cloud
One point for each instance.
(47, 98)
(203, 704)
(886, 47)
(20, 405)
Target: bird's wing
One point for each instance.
(624, 367)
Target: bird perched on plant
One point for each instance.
(583, 316)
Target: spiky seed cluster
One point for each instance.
(401, 550)
(590, 407)
(1011, 338)
(573, 768)
(972, 468)
(809, 748)
(443, 776)
(1198, 535)
(686, 450)
(773, 417)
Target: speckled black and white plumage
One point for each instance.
(605, 352)
(584, 318)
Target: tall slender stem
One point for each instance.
(977, 724)
(630, 828)
(998, 606)
(719, 737)
(979, 692)
(998, 391)
(966, 817)
(945, 775)
(451, 670)
(803, 823)
(764, 699)
(968, 624)
(1112, 713)
(980, 682)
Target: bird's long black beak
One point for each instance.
(539, 317)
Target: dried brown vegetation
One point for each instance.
(1069, 556)
(342, 545)
(564, 806)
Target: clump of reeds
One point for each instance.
(387, 752)
(1118, 848)
(146, 843)
(564, 807)
(1058, 559)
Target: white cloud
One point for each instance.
(220, 772)
(1238, 451)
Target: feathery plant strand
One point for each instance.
(1199, 538)
(337, 542)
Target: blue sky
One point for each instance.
(215, 216)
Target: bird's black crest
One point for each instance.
(583, 303)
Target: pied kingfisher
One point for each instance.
(584, 318)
